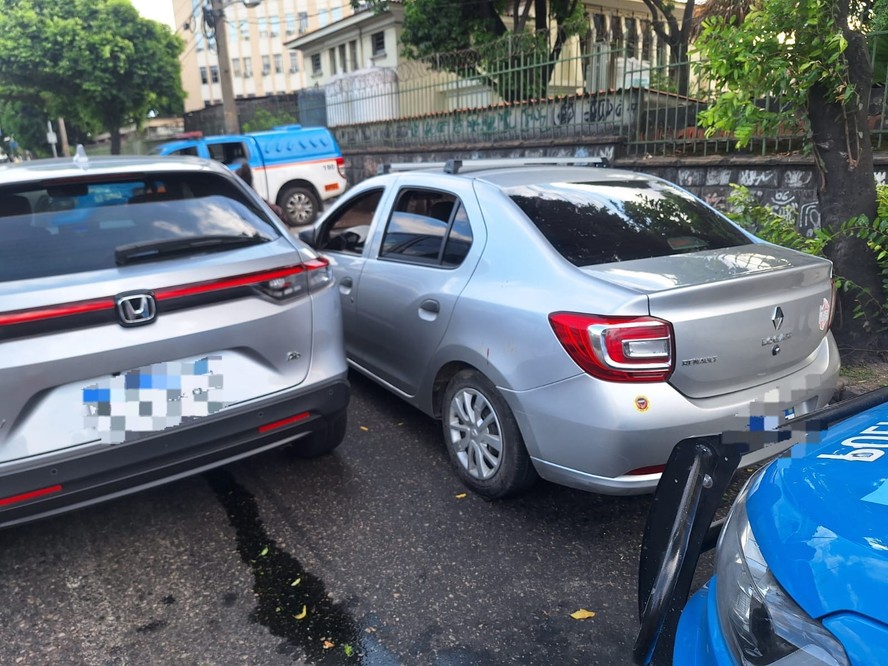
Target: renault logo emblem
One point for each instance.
(136, 309)
(777, 319)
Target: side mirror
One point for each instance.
(307, 236)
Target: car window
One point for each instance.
(188, 150)
(596, 223)
(74, 226)
(347, 229)
(229, 152)
(427, 227)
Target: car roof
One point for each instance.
(66, 167)
(512, 172)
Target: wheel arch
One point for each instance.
(298, 182)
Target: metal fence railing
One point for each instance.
(518, 89)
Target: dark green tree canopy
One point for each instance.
(97, 62)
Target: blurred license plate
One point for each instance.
(130, 404)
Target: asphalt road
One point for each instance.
(370, 556)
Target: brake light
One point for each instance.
(340, 166)
(617, 349)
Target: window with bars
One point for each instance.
(377, 41)
(316, 68)
(278, 63)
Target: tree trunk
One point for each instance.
(115, 140)
(847, 188)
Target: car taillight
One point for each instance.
(312, 275)
(340, 165)
(832, 305)
(617, 349)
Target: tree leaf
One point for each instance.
(582, 614)
(301, 616)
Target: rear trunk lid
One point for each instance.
(742, 316)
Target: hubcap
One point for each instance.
(299, 209)
(475, 434)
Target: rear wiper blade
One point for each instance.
(162, 249)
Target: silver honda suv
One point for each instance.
(156, 320)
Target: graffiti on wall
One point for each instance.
(588, 116)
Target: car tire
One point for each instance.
(323, 441)
(476, 420)
(300, 206)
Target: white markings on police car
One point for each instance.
(867, 446)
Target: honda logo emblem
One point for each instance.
(777, 319)
(136, 309)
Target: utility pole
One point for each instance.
(229, 108)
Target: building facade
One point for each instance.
(260, 63)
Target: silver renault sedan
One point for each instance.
(572, 322)
(156, 320)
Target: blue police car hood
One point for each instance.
(820, 516)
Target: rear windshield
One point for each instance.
(56, 228)
(599, 223)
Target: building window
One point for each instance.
(342, 59)
(377, 39)
(274, 26)
(245, 31)
(263, 27)
(294, 62)
(232, 32)
(332, 53)
(214, 73)
(278, 63)
(203, 75)
(248, 68)
(337, 13)
(353, 54)
(266, 65)
(303, 22)
(316, 65)
(235, 66)
(290, 20)
(199, 38)
(323, 17)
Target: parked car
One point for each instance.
(801, 565)
(572, 322)
(156, 320)
(297, 168)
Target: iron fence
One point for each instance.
(522, 88)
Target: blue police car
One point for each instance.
(801, 566)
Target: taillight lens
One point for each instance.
(617, 349)
(340, 165)
(310, 276)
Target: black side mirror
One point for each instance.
(307, 236)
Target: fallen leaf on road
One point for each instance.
(348, 649)
(296, 582)
(264, 552)
(365, 428)
(582, 614)
(328, 645)
(302, 615)
(461, 496)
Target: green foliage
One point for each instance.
(783, 48)
(263, 119)
(471, 39)
(746, 211)
(96, 62)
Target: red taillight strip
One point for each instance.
(652, 469)
(284, 422)
(33, 494)
(226, 283)
(168, 293)
(52, 311)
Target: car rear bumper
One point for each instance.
(54, 483)
(589, 434)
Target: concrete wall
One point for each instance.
(785, 184)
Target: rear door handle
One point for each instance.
(431, 306)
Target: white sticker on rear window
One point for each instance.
(153, 398)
